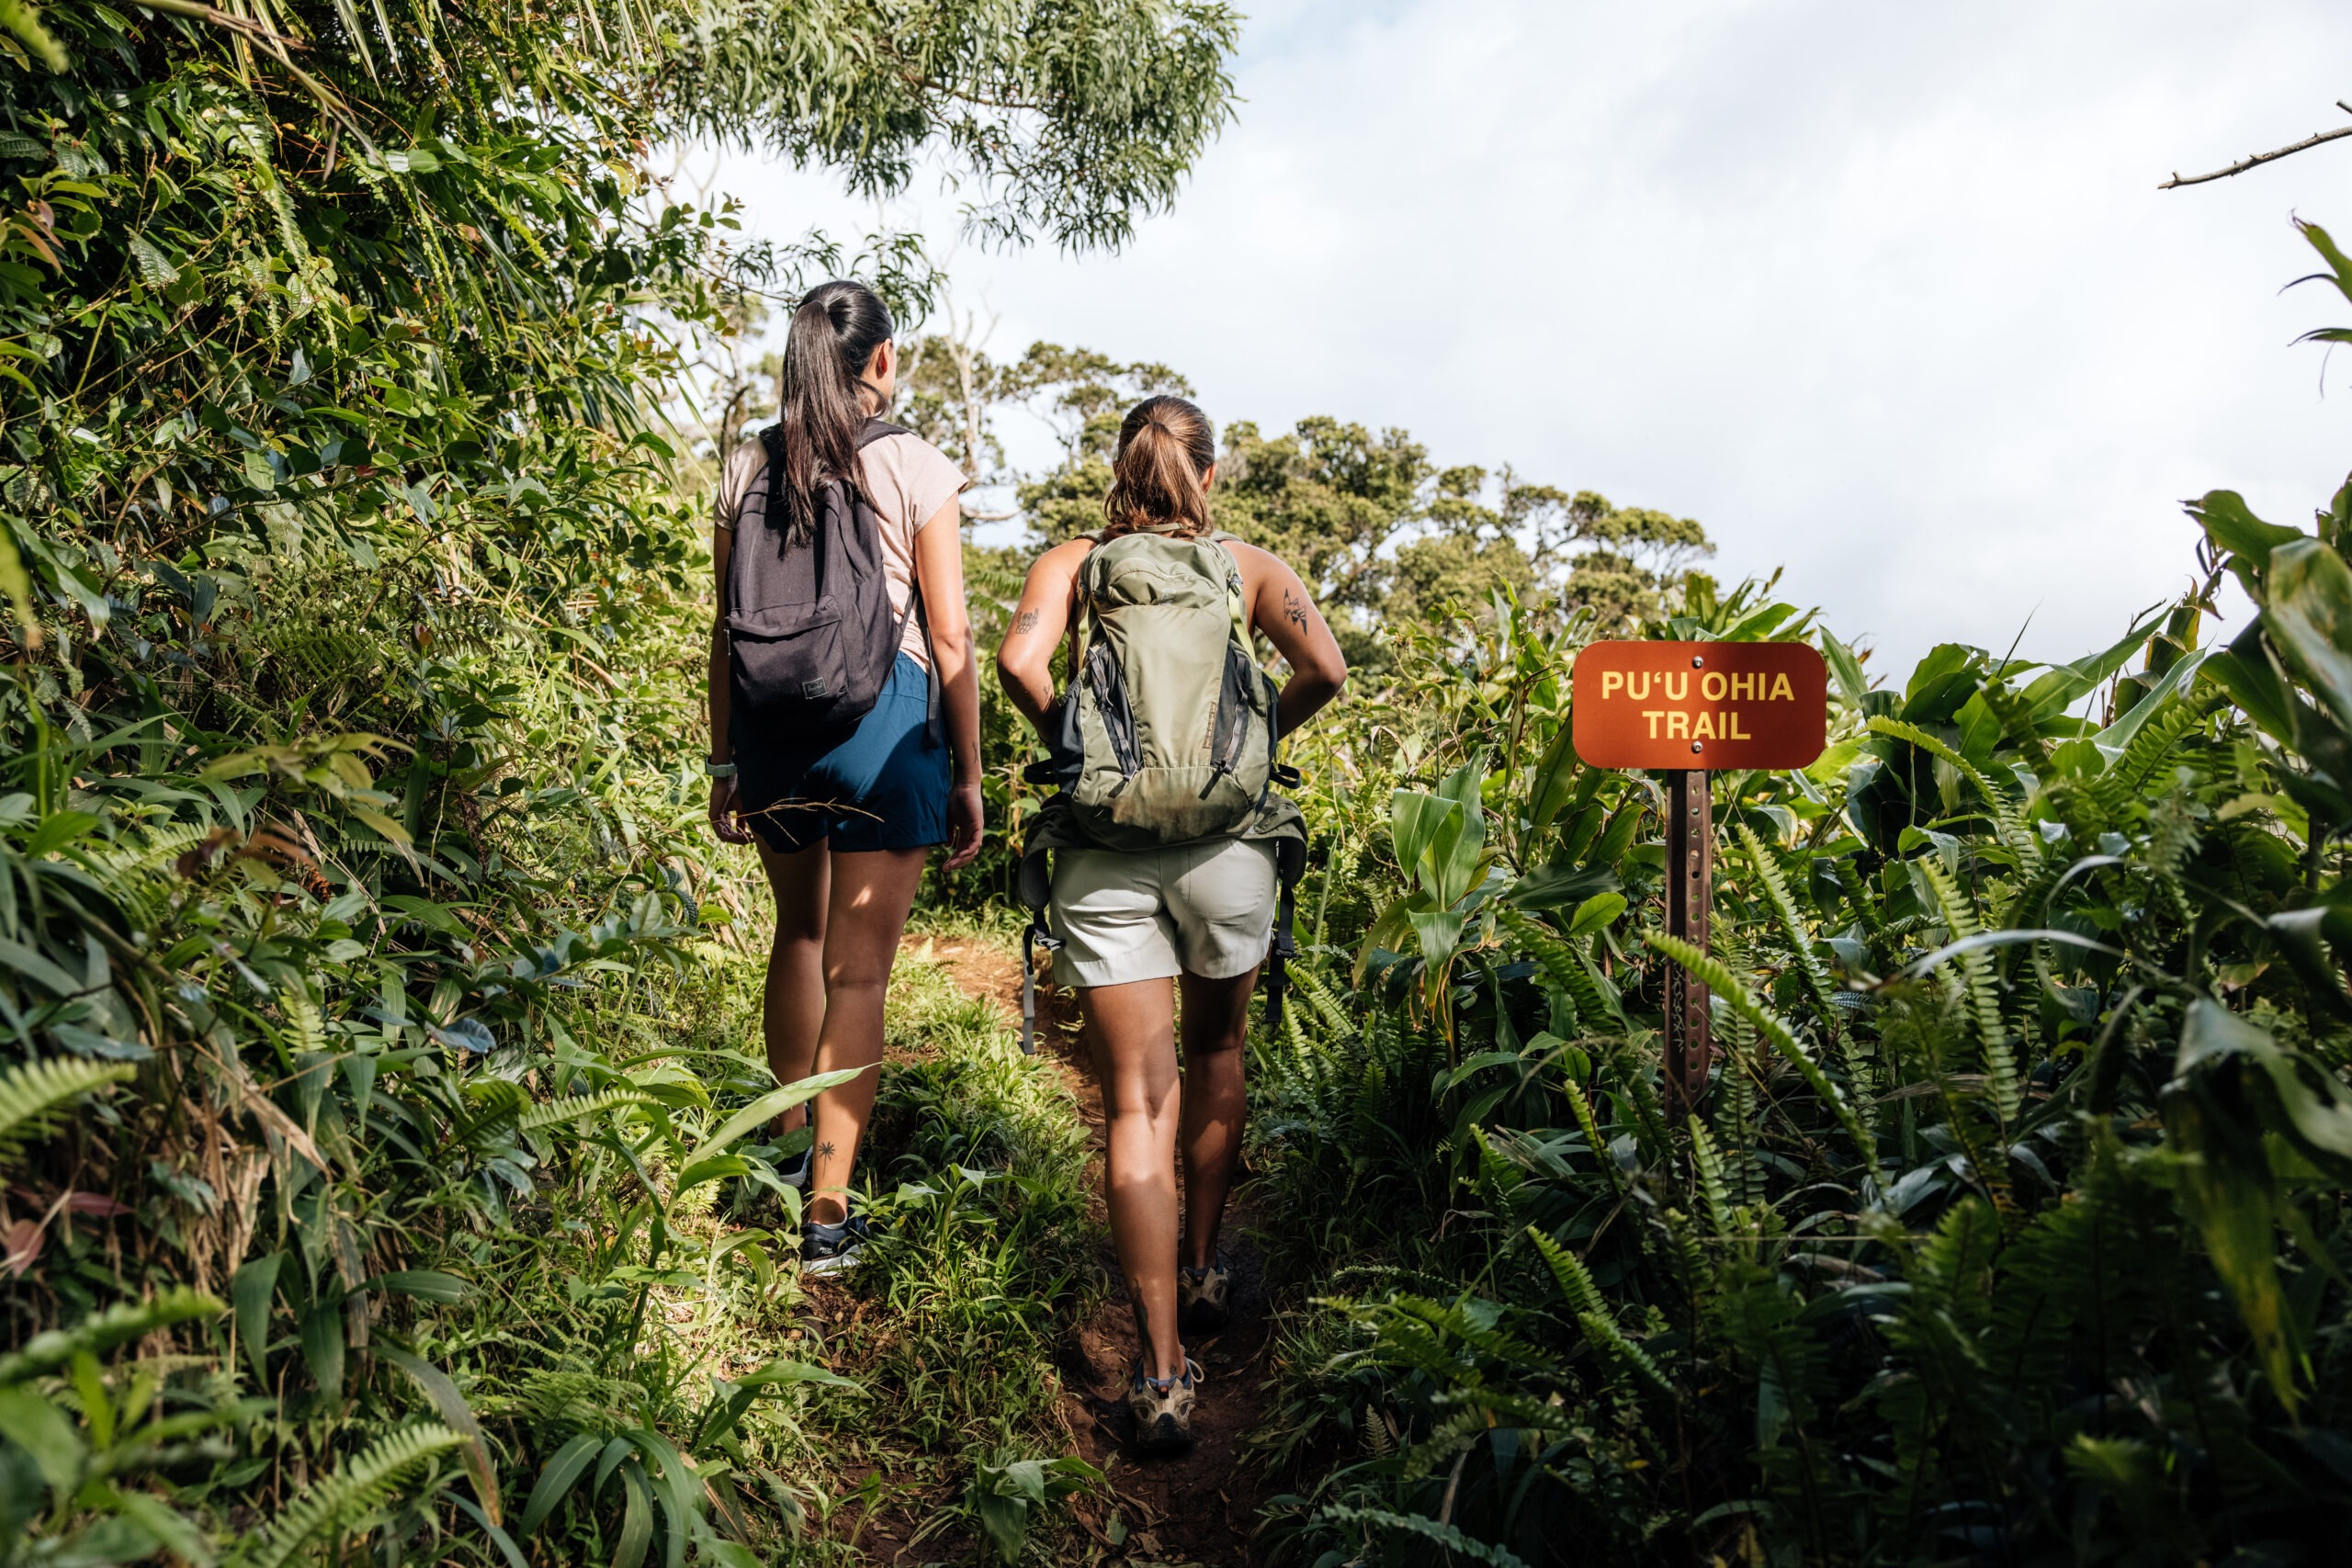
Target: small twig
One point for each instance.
(2243, 164)
(1452, 1485)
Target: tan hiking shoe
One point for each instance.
(1163, 1411)
(1203, 1297)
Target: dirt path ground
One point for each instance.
(1194, 1508)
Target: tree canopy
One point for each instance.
(1373, 526)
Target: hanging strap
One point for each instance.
(1278, 957)
(934, 727)
(1034, 937)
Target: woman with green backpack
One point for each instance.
(1169, 852)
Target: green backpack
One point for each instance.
(1168, 728)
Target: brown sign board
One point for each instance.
(1705, 705)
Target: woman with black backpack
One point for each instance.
(1168, 849)
(844, 713)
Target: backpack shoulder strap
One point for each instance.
(1082, 629)
(875, 429)
(1237, 595)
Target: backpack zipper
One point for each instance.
(1110, 698)
(1232, 722)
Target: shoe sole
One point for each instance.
(1164, 1436)
(832, 1264)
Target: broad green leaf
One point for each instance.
(42, 1431)
(1550, 886)
(2234, 527)
(637, 1519)
(1596, 912)
(2244, 674)
(710, 1168)
(323, 1346)
(426, 1284)
(557, 1479)
(1847, 670)
(250, 1290)
(2226, 1187)
(449, 1403)
(774, 1103)
(2066, 684)
(2310, 618)
(1439, 932)
(1415, 820)
(782, 1372)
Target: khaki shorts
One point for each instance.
(1206, 910)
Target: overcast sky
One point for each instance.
(1881, 294)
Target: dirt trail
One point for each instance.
(1192, 1508)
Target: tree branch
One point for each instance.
(2243, 164)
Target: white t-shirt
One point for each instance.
(909, 479)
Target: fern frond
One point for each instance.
(140, 871)
(1590, 1125)
(1376, 1436)
(1495, 1344)
(1463, 1429)
(1710, 1171)
(2128, 773)
(572, 1108)
(1447, 1536)
(1984, 995)
(31, 1093)
(1793, 926)
(101, 1332)
(1721, 981)
(1592, 1313)
(1316, 990)
(2008, 816)
(333, 1502)
(1566, 965)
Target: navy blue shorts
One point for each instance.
(882, 787)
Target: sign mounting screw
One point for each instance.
(1696, 661)
(1698, 745)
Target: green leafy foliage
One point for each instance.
(377, 1113)
(2013, 1227)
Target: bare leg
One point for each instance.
(865, 918)
(1133, 1030)
(1216, 1026)
(792, 1011)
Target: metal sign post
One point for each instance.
(1686, 709)
(1690, 894)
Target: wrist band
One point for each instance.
(719, 770)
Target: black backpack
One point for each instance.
(811, 626)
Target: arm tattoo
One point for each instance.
(1024, 622)
(824, 1151)
(1293, 609)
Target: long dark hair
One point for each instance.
(1166, 446)
(834, 334)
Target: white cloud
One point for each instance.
(1884, 294)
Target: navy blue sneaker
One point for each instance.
(828, 1249)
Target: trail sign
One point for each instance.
(1699, 705)
(1690, 708)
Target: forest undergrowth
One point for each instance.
(381, 1116)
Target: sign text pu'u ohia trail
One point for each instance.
(1706, 706)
